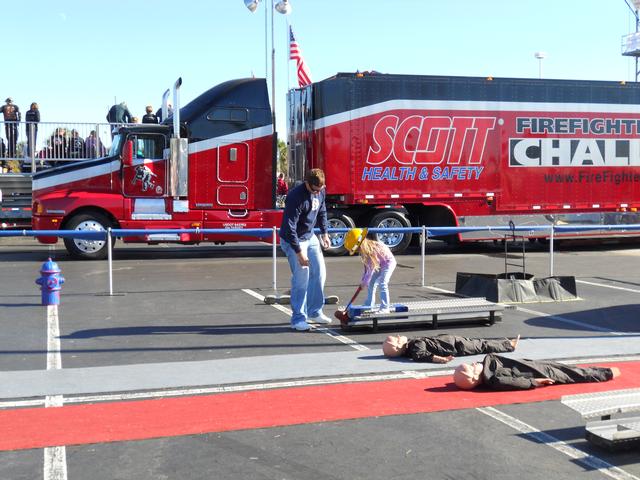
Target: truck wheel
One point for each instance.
(338, 220)
(396, 241)
(87, 249)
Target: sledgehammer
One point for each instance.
(343, 315)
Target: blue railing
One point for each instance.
(267, 232)
(425, 232)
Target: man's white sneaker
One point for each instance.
(301, 326)
(383, 310)
(322, 318)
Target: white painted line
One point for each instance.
(261, 298)
(322, 329)
(55, 458)
(594, 360)
(54, 360)
(22, 403)
(419, 375)
(586, 326)
(613, 287)
(55, 463)
(438, 289)
(583, 458)
(341, 338)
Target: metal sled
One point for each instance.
(433, 311)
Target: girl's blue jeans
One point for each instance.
(380, 279)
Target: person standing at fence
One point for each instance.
(32, 117)
(119, 114)
(59, 145)
(169, 112)
(11, 115)
(304, 208)
(3, 153)
(93, 146)
(149, 117)
(76, 145)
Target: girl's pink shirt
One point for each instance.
(385, 259)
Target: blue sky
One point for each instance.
(76, 57)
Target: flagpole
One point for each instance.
(288, 54)
(273, 72)
(266, 43)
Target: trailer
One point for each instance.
(409, 150)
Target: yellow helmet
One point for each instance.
(353, 239)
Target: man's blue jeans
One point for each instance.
(307, 283)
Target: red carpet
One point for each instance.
(168, 417)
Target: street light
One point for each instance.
(540, 56)
(283, 7)
(631, 43)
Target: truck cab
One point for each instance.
(209, 166)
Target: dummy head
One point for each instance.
(467, 376)
(394, 345)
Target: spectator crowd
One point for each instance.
(63, 144)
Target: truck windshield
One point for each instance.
(115, 145)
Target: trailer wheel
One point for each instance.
(338, 220)
(396, 241)
(87, 249)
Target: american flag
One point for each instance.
(295, 53)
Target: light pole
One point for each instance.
(631, 42)
(283, 7)
(540, 56)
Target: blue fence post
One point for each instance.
(423, 239)
(110, 261)
(553, 227)
(274, 254)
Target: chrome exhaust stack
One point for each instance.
(165, 104)
(178, 151)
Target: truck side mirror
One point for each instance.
(127, 154)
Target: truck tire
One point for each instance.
(87, 249)
(396, 241)
(338, 220)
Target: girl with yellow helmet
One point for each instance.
(379, 264)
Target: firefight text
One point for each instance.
(572, 126)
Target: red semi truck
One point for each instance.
(397, 151)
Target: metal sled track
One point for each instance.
(613, 434)
(434, 311)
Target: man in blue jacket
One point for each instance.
(305, 209)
